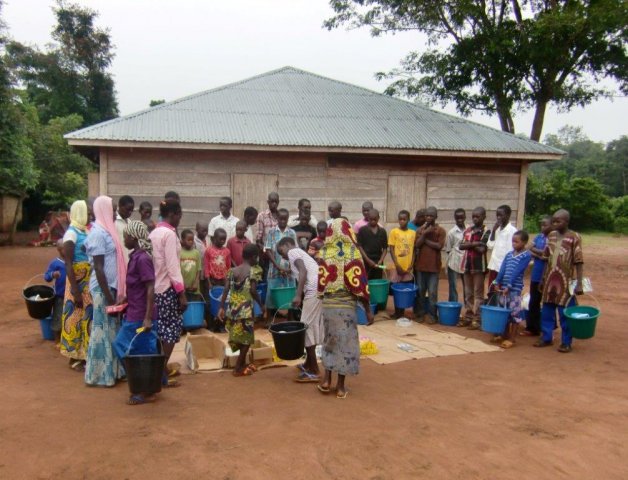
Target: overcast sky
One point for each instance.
(173, 48)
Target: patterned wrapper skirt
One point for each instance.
(103, 367)
(76, 322)
(341, 344)
(169, 318)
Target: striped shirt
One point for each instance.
(512, 270)
(311, 282)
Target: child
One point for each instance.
(305, 232)
(191, 266)
(401, 242)
(364, 221)
(250, 217)
(500, 243)
(533, 324)
(305, 270)
(454, 254)
(510, 282)
(126, 205)
(201, 244)
(419, 220)
(56, 272)
(146, 212)
(236, 244)
(279, 269)
(242, 282)
(373, 245)
(217, 259)
(563, 254)
(140, 311)
(429, 243)
(317, 243)
(225, 220)
(473, 245)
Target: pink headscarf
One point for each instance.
(103, 211)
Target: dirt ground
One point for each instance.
(520, 414)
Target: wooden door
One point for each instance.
(405, 192)
(251, 190)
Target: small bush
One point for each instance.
(621, 225)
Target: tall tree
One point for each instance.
(501, 56)
(72, 77)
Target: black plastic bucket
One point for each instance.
(289, 338)
(39, 309)
(144, 373)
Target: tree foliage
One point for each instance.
(71, 77)
(500, 56)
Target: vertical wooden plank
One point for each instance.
(251, 190)
(93, 184)
(405, 192)
(523, 179)
(104, 165)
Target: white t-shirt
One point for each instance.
(500, 246)
(311, 282)
(293, 221)
(227, 224)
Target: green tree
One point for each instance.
(154, 103)
(72, 76)
(501, 56)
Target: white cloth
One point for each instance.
(70, 236)
(293, 221)
(312, 316)
(500, 246)
(311, 282)
(452, 244)
(250, 234)
(227, 224)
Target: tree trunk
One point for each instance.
(11, 238)
(539, 118)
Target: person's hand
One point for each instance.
(369, 317)
(578, 290)
(56, 274)
(400, 270)
(147, 324)
(221, 315)
(78, 298)
(296, 302)
(504, 290)
(283, 272)
(183, 302)
(540, 287)
(370, 263)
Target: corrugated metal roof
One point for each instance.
(291, 107)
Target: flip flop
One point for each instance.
(140, 399)
(307, 377)
(342, 395)
(301, 366)
(170, 383)
(252, 367)
(322, 389)
(247, 372)
(506, 344)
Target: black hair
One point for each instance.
(220, 230)
(286, 241)
(459, 210)
(250, 211)
(506, 208)
(125, 200)
(302, 201)
(404, 212)
(523, 235)
(546, 217)
(146, 206)
(169, 206)
(368, 203)
(420, 211)
(172, 195)
(482, 210)
(186, 232)
(283, 211)
(250, 251)
(228, 200)
(321, 224)
(374, 210)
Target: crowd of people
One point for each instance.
(116, 277)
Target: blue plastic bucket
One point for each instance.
(193, 317)
(257, 309)
(494, 319)
(404, 294)
(262, 289)
(46, 328)
(361, 313)
(215, 295)
(449, 313)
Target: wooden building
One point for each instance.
(304, 135)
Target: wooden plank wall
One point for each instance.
(201, 177)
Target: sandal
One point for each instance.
(342, 395)
(140, 399)
(307, 377)
(247, 372)
(497, 339)
(252, 367)
(542, 343)
(170, 383)
(506, 344)
(474, 326)
(463, 323)
(564, 348)
(322, 389)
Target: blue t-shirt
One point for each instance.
(538, 268)
(512, 270)
(57, 265)
(411, 226)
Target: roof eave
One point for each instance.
(528, 156)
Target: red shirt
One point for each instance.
(217, 262)
(236, 247)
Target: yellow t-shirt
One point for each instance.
(403, 241)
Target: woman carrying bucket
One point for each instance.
(77, 310)
(342, 281)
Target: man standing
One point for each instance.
(126, 205)
(305, 210)
(225, 220)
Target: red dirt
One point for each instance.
(525, 413)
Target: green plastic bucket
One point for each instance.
(582, 327)
(378, 290)
(283, 296)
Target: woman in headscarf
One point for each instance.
(106, 285)
(343, 281)
(140, 293)
(77, 310)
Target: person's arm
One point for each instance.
(173, 269)
(481, 246)
(199, 266)
(437, 244)
(367, 260)
(48, 274)
(300, 266)
(150, 304)
(521, 266)
(68, 255)
(367, 309)
(500, 275)
(384, 248)
(536, 252)
(223, 299)
(259, 237)
(99, 268)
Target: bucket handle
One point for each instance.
(587, 294)
(152, 332)
(31, 279)
(290, 307)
